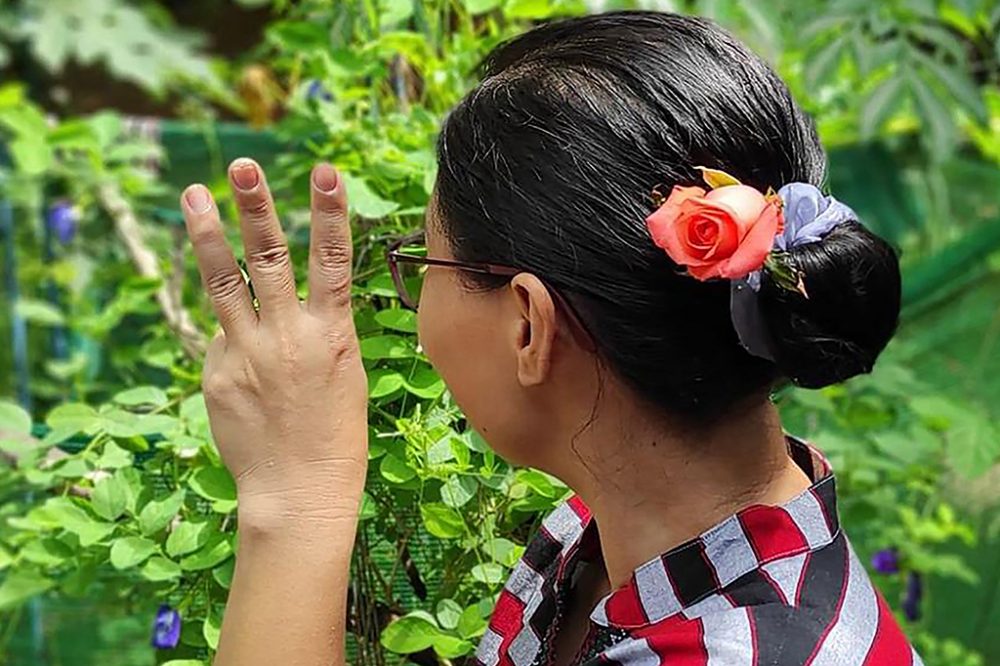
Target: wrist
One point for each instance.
(313, 498)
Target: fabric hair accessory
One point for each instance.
(733, 231)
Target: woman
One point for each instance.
(628, 255)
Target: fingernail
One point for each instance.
(245, 175)
(325, 178)
(198, 199)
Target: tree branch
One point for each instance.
(146, 263)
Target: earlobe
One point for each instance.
(535, 329)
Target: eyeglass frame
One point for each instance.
(394, 256)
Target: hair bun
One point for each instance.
(853, 281)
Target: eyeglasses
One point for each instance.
(409, 266)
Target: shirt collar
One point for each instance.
(700, 568)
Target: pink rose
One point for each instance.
(726, 232)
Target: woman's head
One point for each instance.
(549, 165)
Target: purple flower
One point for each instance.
(914, 594)
(886, 561)
(317, 90)
(62, 220)
(166, 628)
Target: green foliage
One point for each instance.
(123, 495)
(122, 38)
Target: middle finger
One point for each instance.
(265, 247)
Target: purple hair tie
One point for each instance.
(809, 215)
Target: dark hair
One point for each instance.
(549, 165)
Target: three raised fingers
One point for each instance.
(219, 272)
(265, 247)
(330, 247)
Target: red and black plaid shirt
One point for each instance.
(770, 585)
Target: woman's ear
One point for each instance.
(534, 331)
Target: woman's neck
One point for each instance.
(657, 489)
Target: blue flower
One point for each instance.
(912, 598)
(62, 220)
(886, 561)
(166, 628)
(317, 90)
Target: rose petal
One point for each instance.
(664, 223)
(745, 202)
(753, 248)
(672, 206)
(708, 271)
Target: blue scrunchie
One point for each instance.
(809, 215)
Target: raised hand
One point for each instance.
(285, 387)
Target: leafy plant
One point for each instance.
(121, 495)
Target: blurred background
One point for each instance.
(117, 523)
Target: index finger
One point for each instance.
(330, 246)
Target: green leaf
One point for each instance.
(211, 628)
(383, 382)
(395, 470)
(39, 312)
(213, 483)
(397, 319)
(70, 419)
(142, 396)
(490, 573)
(33, 157)
(973, 447)
(113, 457)
(73, 518)
(215, 551)
(448, 613)
(879, 106)
(503, 551)
(936, 117)
(21, 585)
(472, 623)
(958, 83)
(425, 383)
(155, 515)
(130, 551)
(528, 9)
(716, 178)
(223, 574)
(480, 6)
(458, 490)
(110, 498)
(187, 537)
(451, 647)
(367, 508)
(47, 552)
(386, 346)
(442, 521)
(821, 65)
(13, 419)
(363, 200)
(159, 569)
(411, 633)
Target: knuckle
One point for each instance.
(224, 285)
(334, 256)
(204, 235)
(216, 386)
(257, 208)
(271, 257)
